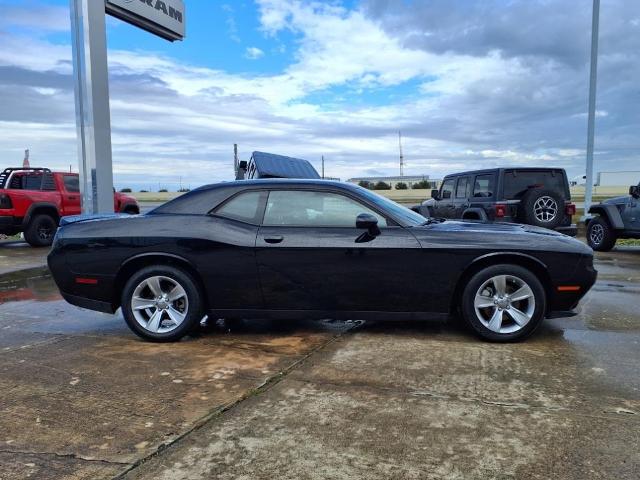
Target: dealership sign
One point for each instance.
(165, 18)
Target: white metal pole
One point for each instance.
(592, 105)
(93, 120)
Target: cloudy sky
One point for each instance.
(470, 83)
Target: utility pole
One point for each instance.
(401, 157)
(323, 167)
(588, 189)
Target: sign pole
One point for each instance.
(588, 189)
(93, 120)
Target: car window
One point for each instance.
(462, 189)
(517, 182)
(483, 186)
(245, 207)
(447, 188)
(71, 183)
(314, 209)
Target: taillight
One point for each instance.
(5, 201)
(570, 209)
(501, 211)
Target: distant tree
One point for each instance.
(365, 184)
(163, 190)
(423, 184)
(182, 190)
(382, 186)
(125, 190)
(144, 191)
(401, 186)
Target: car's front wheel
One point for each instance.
(161, 303)
(600, 236)
(504, 303)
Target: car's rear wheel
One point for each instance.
(504, 303)
(162, 303)
(40, 230)
(600, 235)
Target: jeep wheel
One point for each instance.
(504, 303)
(40, 231)
(600, 236)
(542, 207)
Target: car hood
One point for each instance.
(500, 235)
(616, 200)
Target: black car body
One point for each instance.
(614, 218)
(307, 248)
(532, 195)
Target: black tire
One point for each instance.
(40, 230)
(193, 309)
(600, 236)
(542, 207)
(515, 277)
(130, 211)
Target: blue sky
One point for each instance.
(470, 83)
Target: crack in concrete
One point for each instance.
(269, 383)
(73, 456)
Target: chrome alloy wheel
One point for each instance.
(545, 209)
(596, 234)
(504, 304)
(159, 304)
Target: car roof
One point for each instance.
(502, 169)
(280, 182)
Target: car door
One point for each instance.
(445, 206)
(311, 256)
(70, 194)
(631, 214)
(461, 197)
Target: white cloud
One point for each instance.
(253, 53)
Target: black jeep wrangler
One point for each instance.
(614, 218)
(536, 196)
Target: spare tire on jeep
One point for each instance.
(541, 207)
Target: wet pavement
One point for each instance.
(82, 397)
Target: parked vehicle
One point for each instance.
(533, 196)
(270, 165)
(32, 200)
(318, 249)
(614, 218)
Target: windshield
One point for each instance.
(397, 210)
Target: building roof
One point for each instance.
(272, 165)
(393, 178)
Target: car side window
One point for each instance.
(314, 209)
(246, 207)
(462, 189)
(71, 183)
(447, 188)
(483, 187)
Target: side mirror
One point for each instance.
(368, 222)
(634, 191)
(435, 194)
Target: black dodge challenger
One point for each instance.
(313, 248)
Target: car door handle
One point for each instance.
(273, 239)
(72, 198)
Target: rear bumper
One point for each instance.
(88, 303)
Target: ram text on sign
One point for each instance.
(165, 18)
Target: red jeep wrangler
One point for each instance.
(32, 200)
